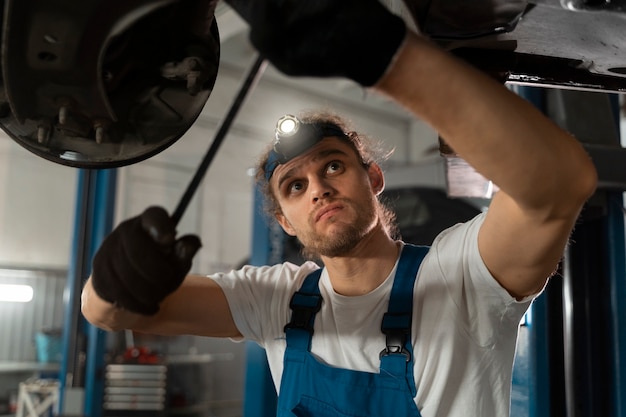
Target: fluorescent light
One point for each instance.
(16, 293)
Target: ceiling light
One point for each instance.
(16, 293)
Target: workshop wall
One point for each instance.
(36, 208)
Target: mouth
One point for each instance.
(327, 211)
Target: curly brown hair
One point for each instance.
(365, 148)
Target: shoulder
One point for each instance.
(456, 245)
(284, 276)
(454, 265)
(467, 232)
(258, 297)
(284, 269)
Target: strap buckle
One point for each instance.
(304, 306)
(396, 327)
(395, 345)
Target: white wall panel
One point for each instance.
(19, 322)
(37, 199)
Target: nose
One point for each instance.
(319, 189)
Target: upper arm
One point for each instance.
(520, 248)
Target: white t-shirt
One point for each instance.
(464, 324)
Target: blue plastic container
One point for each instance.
(49, 346)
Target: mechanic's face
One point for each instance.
(328, 199)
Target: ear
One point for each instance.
(377, 178)
(284, 223)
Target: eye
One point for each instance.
(294, 187)
(334, 167)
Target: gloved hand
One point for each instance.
(141, 262)
(356, 39)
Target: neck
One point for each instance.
(365, 267)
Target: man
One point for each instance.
(368, 335)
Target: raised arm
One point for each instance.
(543, 173)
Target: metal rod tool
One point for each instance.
(253, 76)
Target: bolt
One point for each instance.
(63, 115)
(100, 126)
(43, 134)
(99, 134)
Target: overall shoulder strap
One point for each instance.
(304, 304)
(397, 357)
(401, 299)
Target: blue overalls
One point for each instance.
(310, 388)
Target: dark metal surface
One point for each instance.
(458, 19)
(98, 84)
(549, 45)
(595, 5)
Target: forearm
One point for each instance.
(498, 133)
(197, 307)
(103, 314)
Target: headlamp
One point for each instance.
(287, 126)
(293, 137)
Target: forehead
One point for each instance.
(328, 146)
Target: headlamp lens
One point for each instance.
(287, 126)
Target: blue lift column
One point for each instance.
(82, 367)
(594, 269)
(531, 392)
(616, 242)
(571, 358)
(268, 243)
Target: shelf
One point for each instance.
(198, 358)
(19, 367)
(133, 394)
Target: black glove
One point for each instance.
(356, 39)
(141, 262)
